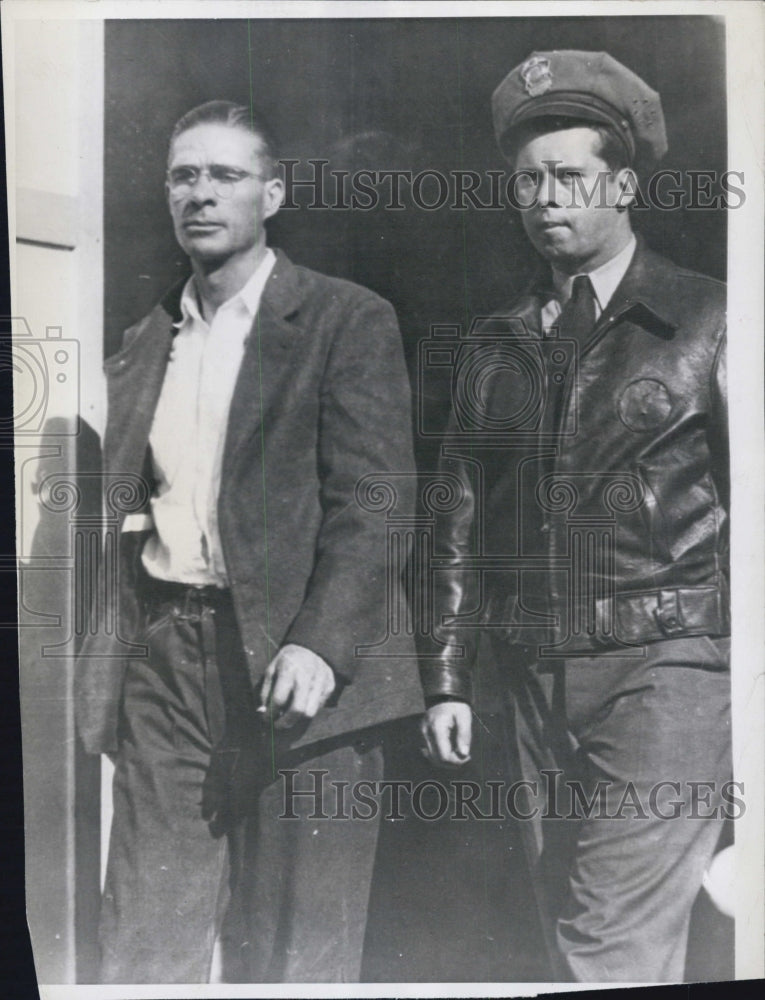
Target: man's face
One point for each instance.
(568, 172)
(216, 221)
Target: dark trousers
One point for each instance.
(197, 844)
(616, 887)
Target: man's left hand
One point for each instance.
(297, 683)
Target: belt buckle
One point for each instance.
(668, 614)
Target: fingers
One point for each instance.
(428, 748)
(321, 688)
(302, 698)
(296, 685)
(447, 729)
(463, 729)
(445, 750)
(283, 691)
(267, 685)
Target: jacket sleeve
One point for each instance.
(365, 427)
(718, 429)
(447, 674)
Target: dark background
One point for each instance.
(451, 902)
(408, 94)
(385, 94)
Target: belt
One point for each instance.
(646, 616)
(672, 613)
(188, 600)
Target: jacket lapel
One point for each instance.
(268, 349)
(528, 311)
(135, 378)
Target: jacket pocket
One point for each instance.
(153, 622)
(654, 520)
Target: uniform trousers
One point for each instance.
(197, 846)
(616, 878)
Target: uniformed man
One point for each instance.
(594, 463)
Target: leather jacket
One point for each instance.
(592, 480)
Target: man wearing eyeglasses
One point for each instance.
(252, 400)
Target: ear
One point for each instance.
(273, 196)
(627, 183)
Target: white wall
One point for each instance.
(53, 72)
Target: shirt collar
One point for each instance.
(247, 297)
(605, 279)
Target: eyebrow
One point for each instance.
(558, 164)
(209, 166)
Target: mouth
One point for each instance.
(200, 226)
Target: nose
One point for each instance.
(547, 192)
(202, 189)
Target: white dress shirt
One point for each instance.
(605, 280)
(188, 434)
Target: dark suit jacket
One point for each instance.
(322, 399)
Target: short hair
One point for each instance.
(239, 116)
(612, 150)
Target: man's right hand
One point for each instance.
(446, 729)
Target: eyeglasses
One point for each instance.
(222, 179)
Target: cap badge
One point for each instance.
(536, 76)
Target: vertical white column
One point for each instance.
(746, 139)
(54, 70)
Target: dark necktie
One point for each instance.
(576, 322)
(577, 318)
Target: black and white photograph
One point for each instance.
(387, 426)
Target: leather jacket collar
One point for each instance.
(644, 290)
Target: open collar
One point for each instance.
(187, 305)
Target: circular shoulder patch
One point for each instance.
(645, 404)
